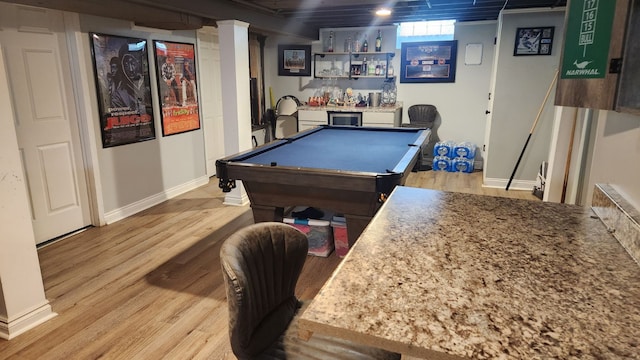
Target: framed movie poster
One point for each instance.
(294, 60)
(177, 86)
(124, 92)
(428, 62)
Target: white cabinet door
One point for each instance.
(308, 119)
(381, 119)
(306, 125)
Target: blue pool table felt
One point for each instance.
(345, 150)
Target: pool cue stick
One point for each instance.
(273, 103)
(555, 77)
(567, 165)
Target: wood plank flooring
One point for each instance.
(150, 286)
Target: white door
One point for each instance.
(211, 96)
(40, 82)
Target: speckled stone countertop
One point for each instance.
(449, 275)
(391, 108)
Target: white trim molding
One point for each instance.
(9, 329)
(136, 207)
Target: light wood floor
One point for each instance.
(150, 287)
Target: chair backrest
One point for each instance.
(261, 264)
(287, 105)
(423, 115)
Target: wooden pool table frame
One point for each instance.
(357, 195)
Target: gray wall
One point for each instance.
(461, 105)
(521, 83)
(616, 154)
(134, 172)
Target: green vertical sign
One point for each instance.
(588, 35)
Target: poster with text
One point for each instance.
(123, 87)
(428, 61)
(177, 86)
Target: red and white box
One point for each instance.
(340, 238)
(318, 232)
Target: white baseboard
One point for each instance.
(35, 317)
(136, 207)
(515, 184)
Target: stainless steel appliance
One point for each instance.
(352, 118)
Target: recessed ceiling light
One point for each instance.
(383, 12)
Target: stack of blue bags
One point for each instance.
(454, 157)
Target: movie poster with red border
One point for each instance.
(177, 86)
(121, 68)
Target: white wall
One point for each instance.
(299, 86)
(521, 83)
(303, 87)
(615, 155)
(135, 172)
(461, 105)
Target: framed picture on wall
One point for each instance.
(533, 41)
(177, 86)
(123, 87)
(294, 60)
(428, 62)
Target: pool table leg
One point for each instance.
(355, 226)
(263, 213)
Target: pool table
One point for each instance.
(346, 169)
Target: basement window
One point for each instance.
(436, 30)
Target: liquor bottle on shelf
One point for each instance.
(372, 67)
(379, 42)
(347, 45)
(331, 42)
(365, 44)
(365, 67)
(357, 46)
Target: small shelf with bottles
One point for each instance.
(376, 45)
(354, 65)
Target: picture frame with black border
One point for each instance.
(533, 41)
(121, 71)
(428, 61)
(294, 60)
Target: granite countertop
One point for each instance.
(451, 275)
(390, 108)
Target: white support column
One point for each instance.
(236, 102)
(561, 139)
(22, 300)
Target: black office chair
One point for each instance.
(261, 265)
(422, 115)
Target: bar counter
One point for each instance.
(444, 275)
